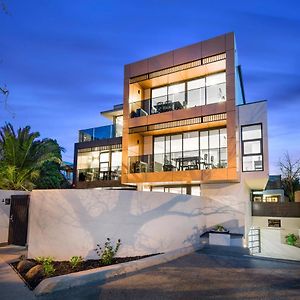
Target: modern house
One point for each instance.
(185, 123)
(184, 127)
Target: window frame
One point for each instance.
(186, 90)
(252, 140)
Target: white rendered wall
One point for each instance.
(253, 113)
(226, 204)
(273, 245)
(4, 213)
(63, 223)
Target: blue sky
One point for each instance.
(63, 60)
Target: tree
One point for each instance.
(51, 177)
(22, 156)
(290, 174)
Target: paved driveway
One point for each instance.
(210, 276)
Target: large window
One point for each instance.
(252, 148)
(196, 92)
(191, 151)
(99, 165)
(118, 126)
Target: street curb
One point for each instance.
(100, 275)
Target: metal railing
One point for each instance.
(176, 161)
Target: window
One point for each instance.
(216, 88)
(252, 148)
(118, 126)
(191, 151)
(195, 92)
(176, 92)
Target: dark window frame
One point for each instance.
(252, 140)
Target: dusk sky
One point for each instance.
(62, 61)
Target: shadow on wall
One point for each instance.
(71, 222)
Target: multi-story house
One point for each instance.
(186, 129)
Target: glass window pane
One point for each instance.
(176, 143)
(213, 139)
(104, 156)
(175, 190)
(159, 144)
(176, 93)
(195, 190)
(196, 84)
(252, 147)
(159, 92)
(223, 137)
(252, 163)
(216, 93)
(116, 159)
(251, 132)
(176, 88)
(216, 79)
(204, 140)
(191, 144)
(119, 126)
(158, 189)
(196, 97)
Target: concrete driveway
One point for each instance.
(212, 273)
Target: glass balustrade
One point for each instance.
(213, 158)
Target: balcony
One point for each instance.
(176, 162)
(94, 174)
(276, 209)
(97, 133)
(171, 99)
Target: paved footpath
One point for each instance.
(12, 286)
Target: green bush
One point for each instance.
(291, 239)
(47, 263)
(75, 261)
(107, 254)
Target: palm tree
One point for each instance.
(22, 155)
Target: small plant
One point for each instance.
(107, 254)
(291, 239)
(47, 263)
(75, 261)
(220, 228)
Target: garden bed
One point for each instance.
(64, 267)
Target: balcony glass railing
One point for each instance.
(182, 100)
(93, 174)
(97, 133)
(175, 161)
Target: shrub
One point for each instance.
(220, 228)
(107, 254)
(291, 239)
(75, 261)
(47, 263)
